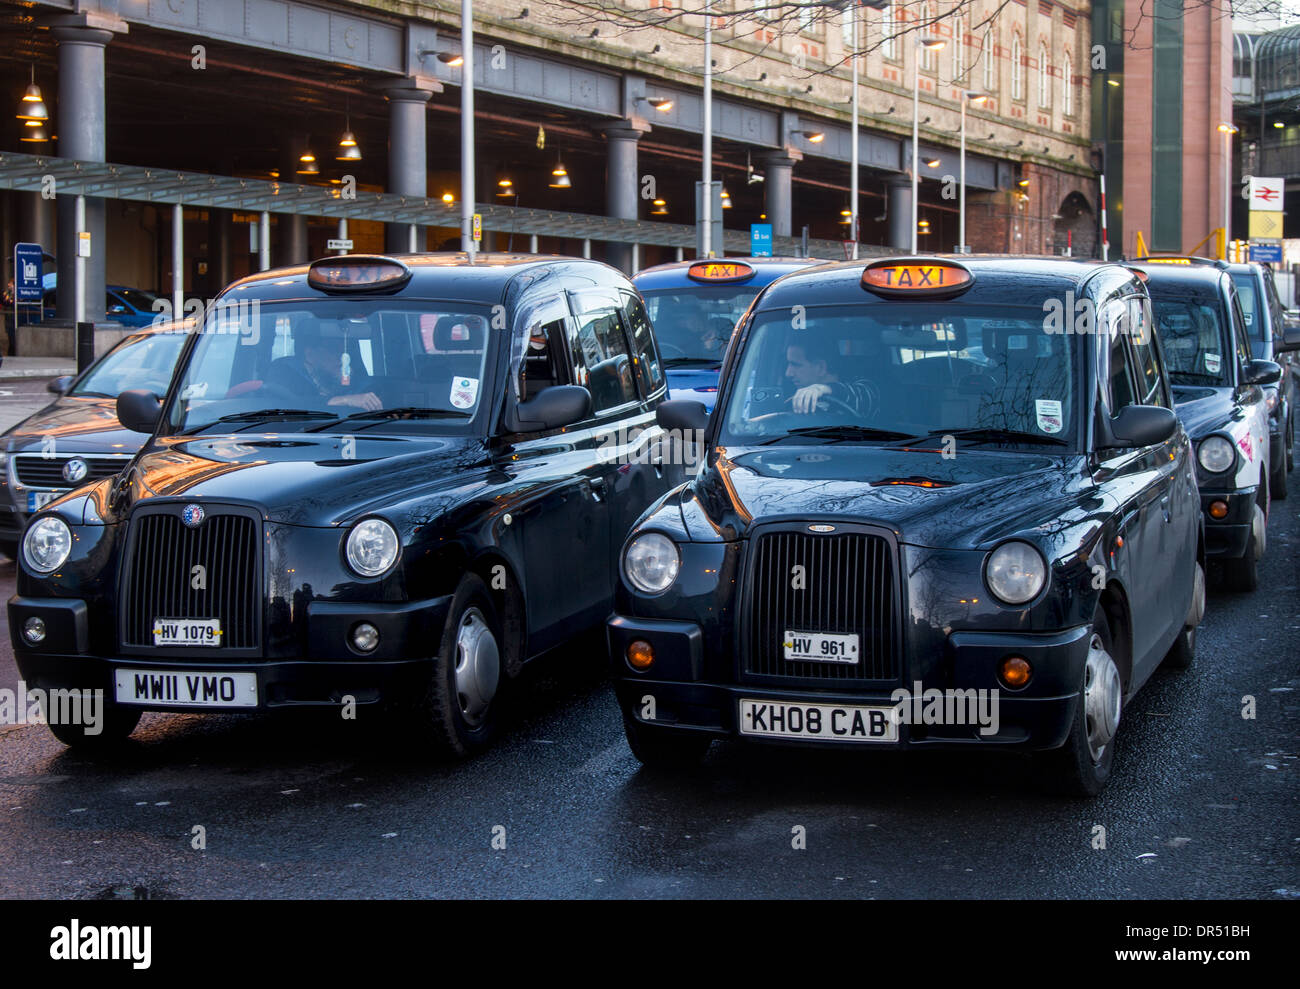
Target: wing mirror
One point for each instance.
(681, 415)
(551, 408)
(1290, 333)
(60, 384)
(1142, 425)
(1261, 373)
(138, 410)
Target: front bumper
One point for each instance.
(327, 671)
(1228, 537)
(1036, 717)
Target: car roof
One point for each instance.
(1178, 274)
(766, 269)
(1006, 279)
(443, 275)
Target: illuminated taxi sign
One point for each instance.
(1165, 260)
(915, 278)
(357, 273)
(719, 271)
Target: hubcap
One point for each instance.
(477, 667)
(1101, 698)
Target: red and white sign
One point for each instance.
(1266, 194)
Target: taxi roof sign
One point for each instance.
(913, 277)
(357, 273)
(719, 271)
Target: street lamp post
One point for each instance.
(930, 44)
(467, 127)
(1227, 130)
(853, 136)
(706, 197)
(967, 96)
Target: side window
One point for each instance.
(649, 371)
(598, 348)
(1274, 303)
(537, 348)
(1151, 383)
(1240, 337)
(1120, 389)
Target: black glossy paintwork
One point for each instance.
(1074, 507)
(547, 509)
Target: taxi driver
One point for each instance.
(320, 364)
(808, 365)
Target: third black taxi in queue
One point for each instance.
(919, 483)
(373, 479)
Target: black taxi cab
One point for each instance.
(1219, 394)
(945, 503)
(373, 481)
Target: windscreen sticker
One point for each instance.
(464, 392)
(1049, 415)
(1018, 341)
(1213, 363)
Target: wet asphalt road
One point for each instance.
(1203, 803)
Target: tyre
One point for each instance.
(665, 748)
(456, 710)
(117, 723)
(1243, 574)
(1290, 445)
(1081, 767)
(1183, 651)
(1277, 480)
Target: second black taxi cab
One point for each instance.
(373, 479)
(945, 503)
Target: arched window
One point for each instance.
(927, 56)
(1067, 102)
(990, 56)
(1044, 76)
(1017, 70)
(889, 26)
(958, 53)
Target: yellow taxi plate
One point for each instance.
(719, 271)
(915, 277)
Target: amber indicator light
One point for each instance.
(915, 278)
(640, 654)
(719, 271)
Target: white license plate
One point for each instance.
(189, 688)
(820, 647)
(36, 500)
(187, 631)
(826, 722)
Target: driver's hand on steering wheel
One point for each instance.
(363, 400)
(806, 398)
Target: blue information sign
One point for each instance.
(27, 272)
(1266, 252)
(760, 240)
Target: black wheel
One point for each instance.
(116, 725)
(665, 748)
(1290, 444)
(1243, 574)
(456, 712)
(1183, 651)
(1277, 480)
(1081, 767)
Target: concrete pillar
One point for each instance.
(289, 242)
(900, 214)
(37, 220)
(621, 186)
(221, 249)
(407, 155)
(81, 39)
(778, 170)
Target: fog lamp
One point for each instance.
(365, 637)
(1218, 509)
(640, 654)
(1014, 672)
(34, 629)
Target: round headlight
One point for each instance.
(372, 547)
(651, 563)
(1216, 454)
(1016, 572)
(47, 544)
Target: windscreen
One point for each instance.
(884, 372)
(422, 365)
(1190, 322)
(694, 323)
(145, 360)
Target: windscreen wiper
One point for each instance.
(262, 414)
(710, 362)
(993, 434)
(401, 412)
(841, 432)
